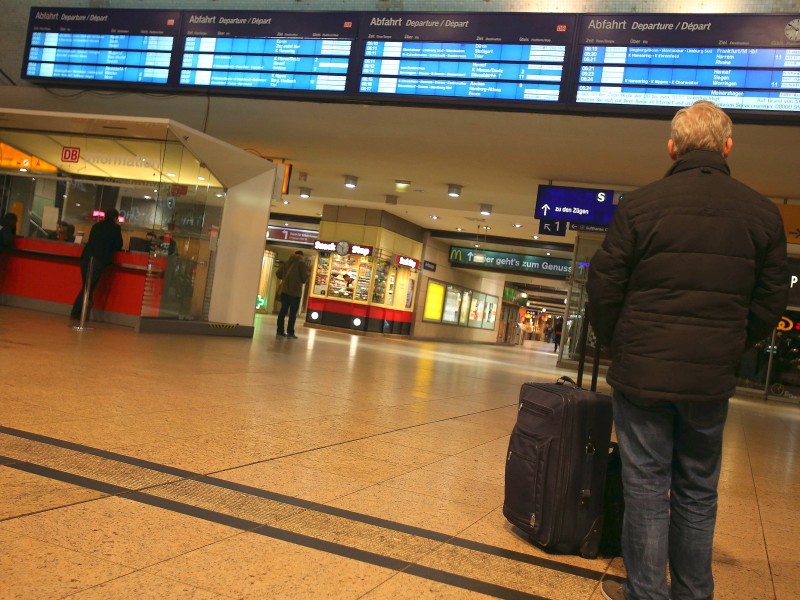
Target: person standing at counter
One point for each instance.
(293, 274)
(8, 231)
(105, 238)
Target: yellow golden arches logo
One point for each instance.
(455, 255)
(785, 324)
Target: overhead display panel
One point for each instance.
(104, 46)
(289, 51)
(740, 62)
(471, 58)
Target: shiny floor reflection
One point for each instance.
(332, 466)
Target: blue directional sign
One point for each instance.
(576, 205)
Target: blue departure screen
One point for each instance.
(519, 58)
(687, 58)
(275, 51)
(643, 64)
(101, 45)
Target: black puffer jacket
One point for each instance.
(692, 271)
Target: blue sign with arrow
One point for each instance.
(576, 205)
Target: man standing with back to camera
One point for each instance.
(105, 238)
(692, 272)
(293, 274)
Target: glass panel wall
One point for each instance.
(170, 208)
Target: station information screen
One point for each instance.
(115, 46)
(292, 51)
(749, 63)
(466, 57)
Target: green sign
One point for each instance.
(506, 261)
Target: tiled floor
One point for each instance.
(332, 466)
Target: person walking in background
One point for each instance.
(558, 330)
(8, 231)
(293, 274)
(692, 272)
(105, 238)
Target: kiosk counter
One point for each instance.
(45, 275)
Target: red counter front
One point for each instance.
(360, 317)
(46, 275)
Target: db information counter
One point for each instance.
(46, 275)
(362, 288)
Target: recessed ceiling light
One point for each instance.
(548, 254)
(286, 202)
(536, 237)
(517, 225)
(453, 190)
(170, 174)
(350, 181)
(477, 245)
(201, 179)
(459, 229)
(401, 185)
(434, 217)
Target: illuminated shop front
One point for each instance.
(365, 275)
(192, 209)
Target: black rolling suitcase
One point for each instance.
(556, 463)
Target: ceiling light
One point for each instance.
(305, 192)
(536, 237)
(170, 174)
(517, 225)
(434, 217)
(285, 202)
(486, 209)
(453, 190)
(486, 227)
(201, 179)
(548, 254)
(459, 229)
(477, 245)
(401, 185)
(24, 170)
(219, 195)
(350, 181)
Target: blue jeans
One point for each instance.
(671, 455)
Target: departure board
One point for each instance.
(288, 51)
(748, 63)
(483, 57)
(629, 64)
(114, 46)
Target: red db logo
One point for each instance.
(70, 154)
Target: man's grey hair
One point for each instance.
(701, 126)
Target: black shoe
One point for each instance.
(291, 336)
(280, 334)
(612, 590)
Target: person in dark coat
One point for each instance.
(293, 274)
(692, 272)
(105, 238)
(8, 231)
(558, 331)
